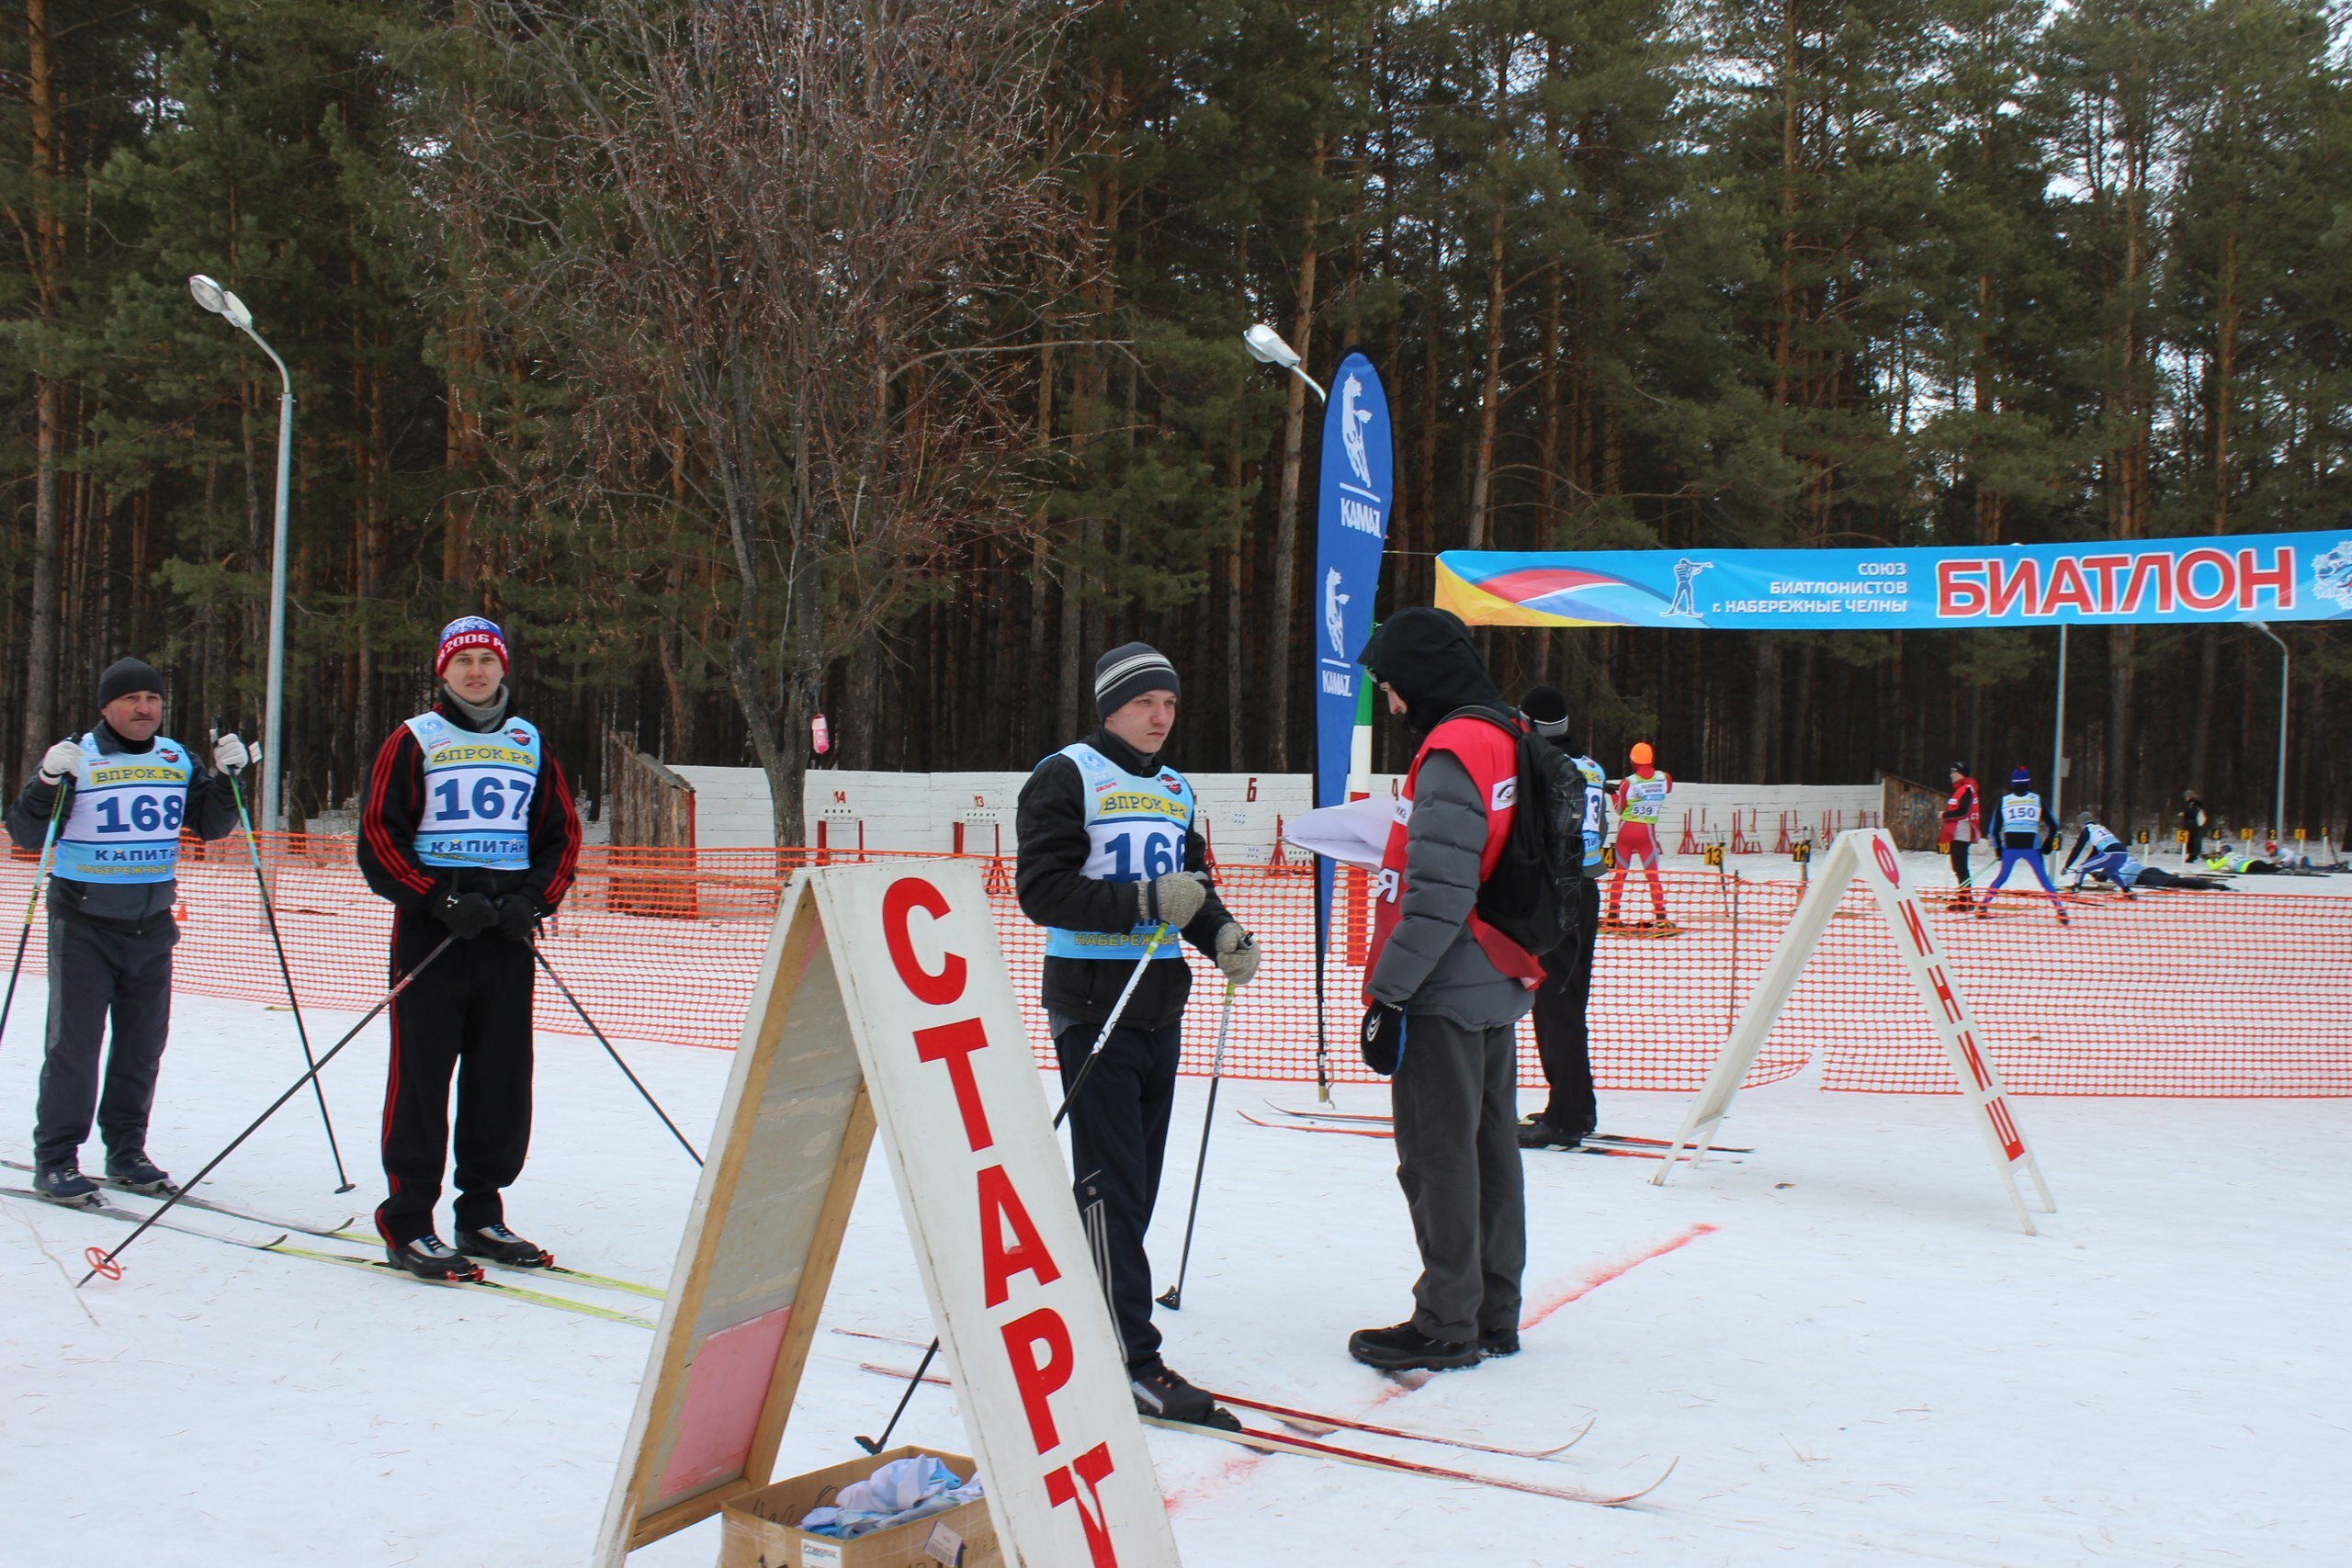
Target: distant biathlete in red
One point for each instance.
(1641, 801)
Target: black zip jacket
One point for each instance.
(211, 812)
(1050, 830)
(395, 802)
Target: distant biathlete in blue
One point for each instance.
(2112, 862)
(2025, 823)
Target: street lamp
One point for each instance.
(2279, 812)
(231, 309)
(1267, 347)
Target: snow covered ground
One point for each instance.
(1853, 1351)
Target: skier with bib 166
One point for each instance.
(1641, 801)
(467, 828)
(117, 799)
(1110, 860)
(2025, 826)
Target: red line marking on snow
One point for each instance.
(1599, 1277)
(1237, 1469)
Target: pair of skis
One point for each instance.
(1619, 1145)
(281, 1244)
(1309, 1427)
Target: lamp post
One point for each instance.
(231, 309)
(1267, 347)
(2278, 810)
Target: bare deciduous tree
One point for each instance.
(784, 257)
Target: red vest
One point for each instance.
(1490, 755)
(1969, 828)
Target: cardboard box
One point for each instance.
(760, 1530)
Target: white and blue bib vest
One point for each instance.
(1135, 830)
(2101, 840)
(1596, 822)
(478, 793)
(128, 807)
(2021, 814)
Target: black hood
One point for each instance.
(1427, 658)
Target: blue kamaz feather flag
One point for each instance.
(1352, 526)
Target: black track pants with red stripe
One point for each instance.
(468, 1015)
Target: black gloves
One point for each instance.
(467, 915)
(1384, 1038)
(518, 917)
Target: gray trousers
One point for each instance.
(1456, 1099)
(95, 970)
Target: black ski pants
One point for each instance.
(1118, 1132)
(95, 971)
(1561, 1040)
(467, 1014)
(1455, 1095)
(1960, 871)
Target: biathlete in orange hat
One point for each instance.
(1641, 801)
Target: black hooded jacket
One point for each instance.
(1427, 658)
(1431, 962)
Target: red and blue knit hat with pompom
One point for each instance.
(470, 631)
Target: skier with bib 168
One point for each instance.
(1109, 860)
(2025, 826)
(117, 799)
(467, 828)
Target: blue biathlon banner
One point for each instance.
(2245, 577)
(1351, 527)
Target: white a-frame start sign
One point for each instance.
(884, 1004)
(1868, 856)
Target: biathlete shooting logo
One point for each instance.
(1686, 573)
(2332, 575)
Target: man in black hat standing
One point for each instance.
(1561, 1001)
(1445, 991)
(122, 794)
(1110, 858)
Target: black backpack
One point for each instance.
(1532, 895)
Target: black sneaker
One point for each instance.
(1535, 1133)
(502, 1246)
(1161, 1393)
(137, 1172)
(429, 1257)
(1406, 1348)
(66, 1184)
(1501, 1342)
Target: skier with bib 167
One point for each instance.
(117, 799)
(2025, 825)
(467, 828)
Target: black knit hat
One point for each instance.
(1547, 707)
(124, 676)
(1126, 673)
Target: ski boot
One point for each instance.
(66, 1184)
(429, 1257)
(1161, 1393)
(499, 1245)
(132, 1169)
(1404, 1348)
(1535, 1133)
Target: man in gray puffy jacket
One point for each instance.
(1445, 993)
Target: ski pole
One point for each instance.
(1143, 964)
(32, 904)
(1174, 1297)
(269, 913)
(542, 960)
(107, 1263)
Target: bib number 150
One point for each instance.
(488, 800)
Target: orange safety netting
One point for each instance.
(2208, 993)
